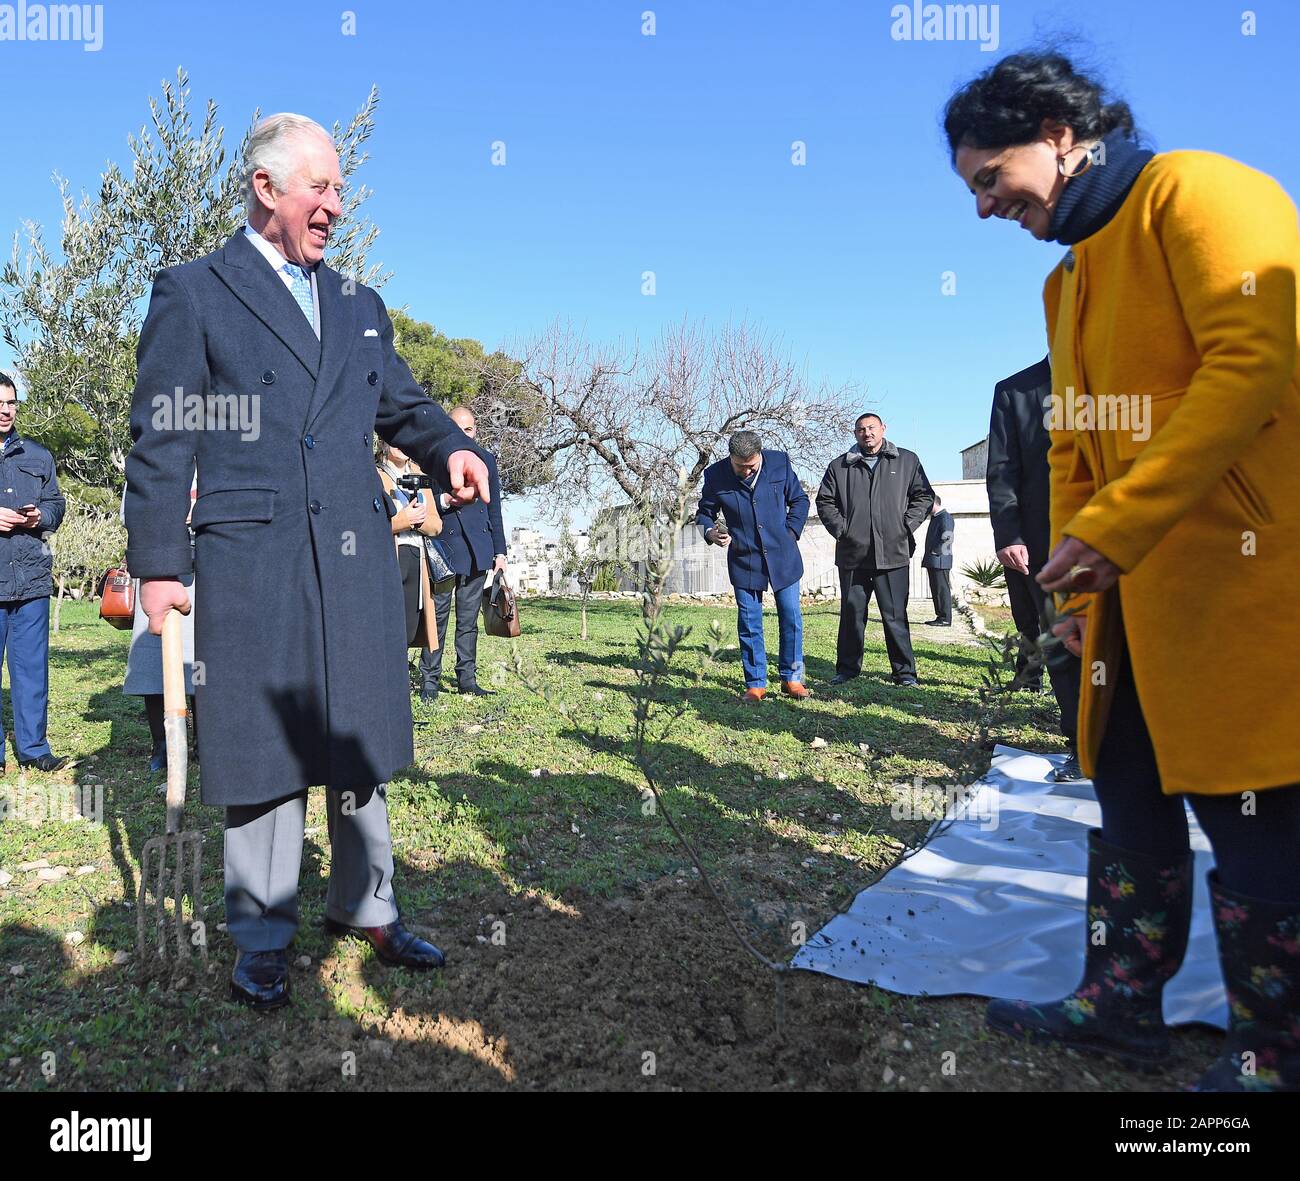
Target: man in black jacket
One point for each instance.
(871, 501)
(1019, 505)
(31, 508)
(938, 562)
(474, 539)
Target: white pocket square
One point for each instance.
(371, 332)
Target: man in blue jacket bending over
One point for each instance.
(763, 509)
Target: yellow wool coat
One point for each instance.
(1185, 303)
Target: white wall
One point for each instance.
(702, 568)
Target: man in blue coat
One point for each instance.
(473, 538)
(272, 372)
(31, 508)
(763, 509)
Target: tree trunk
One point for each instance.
(586, 591)
(58, 605)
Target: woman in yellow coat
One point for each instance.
(1175, 477)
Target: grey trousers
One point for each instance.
(264, 852)
(469, 600)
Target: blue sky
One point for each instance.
(672, 153)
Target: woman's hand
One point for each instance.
(416, 512)
(1078, 569)
(1071, 631)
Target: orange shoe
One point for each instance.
(753, 696)
(795, 689)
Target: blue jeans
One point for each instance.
(749, 627)
(25, 642)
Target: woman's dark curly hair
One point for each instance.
(1006, 105)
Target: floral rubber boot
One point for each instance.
(1259, 950)
(1139, 911)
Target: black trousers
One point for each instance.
(890, 589)
(1254, 848)
(941, 593)
(1028, 609)
(468, 593)
(409, 558)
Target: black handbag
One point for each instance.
(441, 574)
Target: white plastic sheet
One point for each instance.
(993, 904)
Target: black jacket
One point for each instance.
(27, 477)
(473, 534)
(938, 542)
(1017, 475)
(873, 517)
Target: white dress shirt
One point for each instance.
(277, 261)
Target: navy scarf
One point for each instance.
(1089, 201)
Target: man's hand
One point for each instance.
(499, 564)
(11, 520)
(468, 476)
(1015, 557)
(1078, 568)
(160, 595)
(715, 537)
(1071, 631)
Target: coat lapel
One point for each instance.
(250, 277)
(337, 332)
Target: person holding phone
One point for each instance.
(31, 509)
(763, 499)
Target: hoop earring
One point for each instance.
(1088, 162)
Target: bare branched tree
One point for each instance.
(615, 417)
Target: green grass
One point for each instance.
(509, 804)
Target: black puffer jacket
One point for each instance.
(872, 518)
(27, 477)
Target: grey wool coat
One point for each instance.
(300, 646)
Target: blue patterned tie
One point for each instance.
(300, 287)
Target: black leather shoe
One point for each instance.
(429, 692)
(841, 678)
(477, 691)
(261, 979)
(937, 623)
(906, 682)
(394, 944)
(45, 762)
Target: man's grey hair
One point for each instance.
(270, 146)
(744, 445)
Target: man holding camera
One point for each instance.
(765, 507)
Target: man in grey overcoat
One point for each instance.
(272, 371)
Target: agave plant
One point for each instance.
(987, 574)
